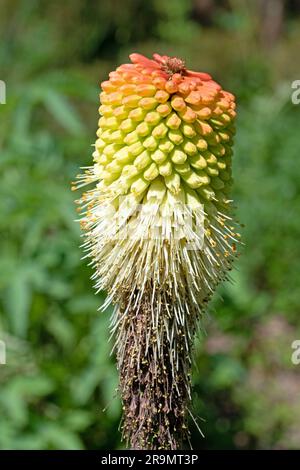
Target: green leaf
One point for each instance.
(18, 298)
(59, 437)
(63, 111)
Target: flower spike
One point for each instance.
(159, 230)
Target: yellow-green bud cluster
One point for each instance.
(165, 136)
(147, 133)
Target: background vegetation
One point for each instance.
(59, 376)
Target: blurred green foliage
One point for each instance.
(59, 375)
